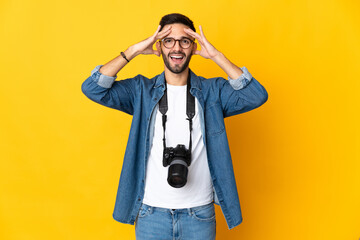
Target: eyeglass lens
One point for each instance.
(170, 42)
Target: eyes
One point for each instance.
(170, 42)
(182, 41)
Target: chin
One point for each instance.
(179, 68)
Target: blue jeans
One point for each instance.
(154, 223)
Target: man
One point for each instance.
(178, 120)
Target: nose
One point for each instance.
(177, 45)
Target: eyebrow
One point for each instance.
(181, 38)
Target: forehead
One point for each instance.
(177, 31)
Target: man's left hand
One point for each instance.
(207, 50)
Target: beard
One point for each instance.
(177, 68)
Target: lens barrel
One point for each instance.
(177, 174)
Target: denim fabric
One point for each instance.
(139, 96)
(196, 223)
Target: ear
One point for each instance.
(158, 47)
(194, 48)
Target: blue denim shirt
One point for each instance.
(139, 96)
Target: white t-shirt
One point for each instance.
(198, 190)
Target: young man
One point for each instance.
(177, 162)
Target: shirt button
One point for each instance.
(139, 199)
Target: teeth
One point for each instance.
(177, 56)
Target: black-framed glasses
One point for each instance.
(170, 42)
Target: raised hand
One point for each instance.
(146, 46)
(112, 67)
(207, 50)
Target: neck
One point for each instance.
(177, 79)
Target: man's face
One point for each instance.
(177, 59)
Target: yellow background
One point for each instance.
(296, 158)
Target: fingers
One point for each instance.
(157, 30)
(194, 35)
(166, 31)
(201, 31)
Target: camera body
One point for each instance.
(178, 159)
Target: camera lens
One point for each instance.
(177, 175)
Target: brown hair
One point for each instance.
(176, 18)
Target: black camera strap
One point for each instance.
(190, 110)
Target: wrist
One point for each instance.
(218, 57)
(130, 53)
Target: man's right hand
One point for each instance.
(146, 46)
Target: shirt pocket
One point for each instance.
(214, 120)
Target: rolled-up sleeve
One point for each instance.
(242, 94)
(242, 81)
(101, 79)
(106, 91)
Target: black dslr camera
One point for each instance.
(179, 158)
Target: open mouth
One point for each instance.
(177, 58)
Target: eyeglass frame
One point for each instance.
(191, 41)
